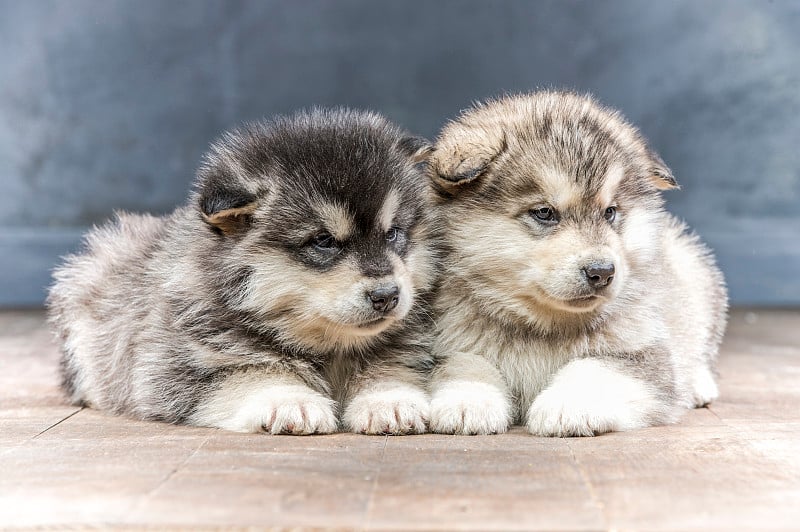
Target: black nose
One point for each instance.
(599, 275)
(384, 298)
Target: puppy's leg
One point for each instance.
(469, 396)
(387, 400)
(592, 396)
(263, 401)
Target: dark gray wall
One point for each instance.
(109, 105)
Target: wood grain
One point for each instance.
(733, 466)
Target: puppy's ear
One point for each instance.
(418, 149)
(464, 155)
(660, 174)
(226, 207)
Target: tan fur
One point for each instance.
(516, 291)
(337, 219)
(388, 210)
(231, 220)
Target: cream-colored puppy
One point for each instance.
(571, 301)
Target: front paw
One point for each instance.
(300, 413)
(470, 408)
(587, 398)
(397, 410)
(552, 414)
(252, 406)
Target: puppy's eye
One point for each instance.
(392, 234)
(544, 214)
(610, 214)
(324, 241)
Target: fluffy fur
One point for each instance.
(293, 285)
(570, 300)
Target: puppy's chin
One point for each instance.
(326, 333)
(578, 304)
(368, 328)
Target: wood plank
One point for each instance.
(508, 482)
(18, 425)
(90, 469)
(692, 478)
(257, 480)
(735, 465)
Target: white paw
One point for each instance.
(276, 409)
(303, 413)
(704, 388)
(468, 407)
(588, 397)
(402, 409)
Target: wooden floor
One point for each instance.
(734, 466)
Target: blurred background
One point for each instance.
(109, 105)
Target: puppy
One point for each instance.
(295, 281)
(570, 300)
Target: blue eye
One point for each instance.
(610, 214)
(391, 234)
(324, 241)
(544, 214)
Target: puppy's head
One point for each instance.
(550, 202)
(320, 220)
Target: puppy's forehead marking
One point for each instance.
(388, 210)
(610, 183)
(561, 191)
(336, 219)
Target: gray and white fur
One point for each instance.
(570, 300)
(292, 287)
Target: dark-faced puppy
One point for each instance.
(295, 281)
(570, 301)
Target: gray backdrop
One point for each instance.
(109, 105)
